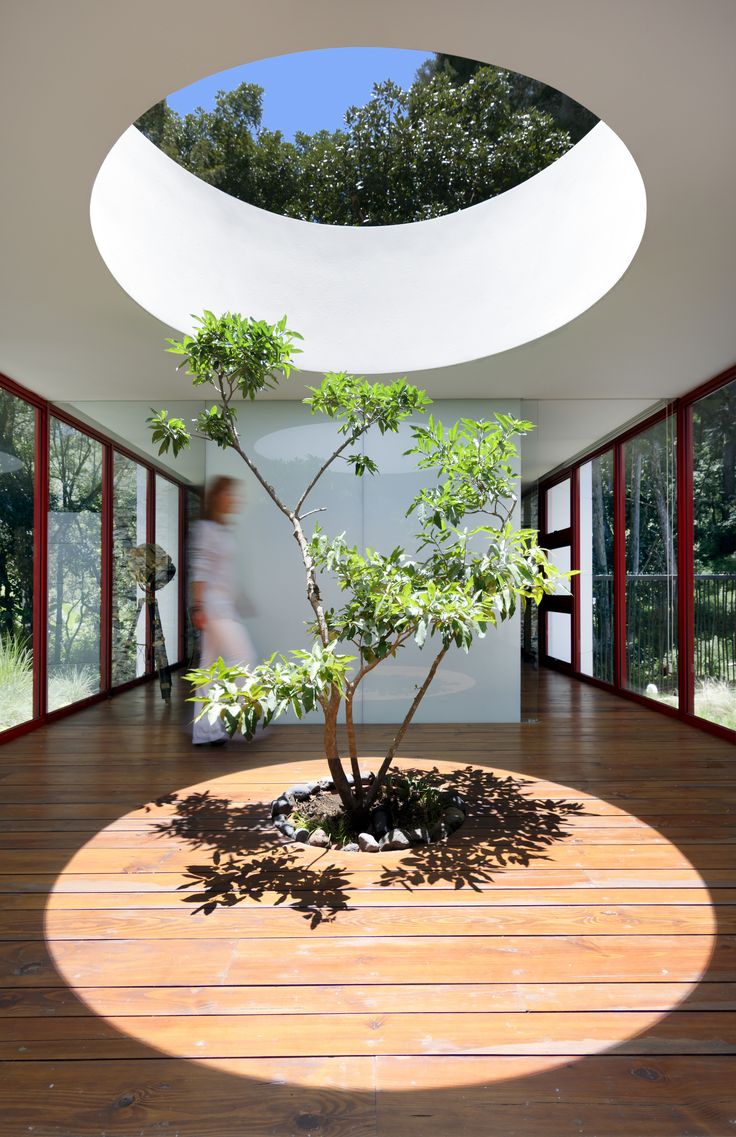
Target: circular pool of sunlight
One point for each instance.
(343, 957)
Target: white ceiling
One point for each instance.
(73, 75)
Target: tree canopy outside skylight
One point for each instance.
(462, 133)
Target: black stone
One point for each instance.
(379, 822)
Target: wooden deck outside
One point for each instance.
(565, 965)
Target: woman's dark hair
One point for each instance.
(215, 489)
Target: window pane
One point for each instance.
(651, 563)
(559, 636)
(193, 507)
(561, 559)
(128, 594)
(167, 539)
(714, 484)
(17, 448)
(74, 562)
(558, 506)
(595, 481)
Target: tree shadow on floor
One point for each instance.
(505, 827)
(248, 862)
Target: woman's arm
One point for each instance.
(199, 616)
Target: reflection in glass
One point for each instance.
(595, 482)
(558, 506)
(192, 508)
(167, 538)
(714, 485)
(74, 563)
(128, 531)
(17, 447)
(651, 562)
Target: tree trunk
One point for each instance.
(332, 752)
(353, 750)
(385, 765)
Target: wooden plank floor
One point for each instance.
(566, 964)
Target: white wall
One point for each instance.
(289, 446)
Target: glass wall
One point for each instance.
(129, 515)
(714, 554)
(74, 562)
(651, 562)
(73, 612)
(595, 583)
(167, 555)
(17, 491)
(192, 510)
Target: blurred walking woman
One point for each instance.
(215, 593)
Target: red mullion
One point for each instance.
(181, 570)
(150, 540)
(575, 565)
(541, 609)
(106, 573)
(619, 567)
(40, 551)
(686, 562)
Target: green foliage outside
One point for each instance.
(466, 570)
(458, 136)
(714, 482)
(74, 556)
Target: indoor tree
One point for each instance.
(466, 571)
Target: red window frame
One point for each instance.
(44, 410)
(681, 411)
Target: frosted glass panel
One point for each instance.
(482, 686)
(561, 559)
(558, 506)
(289, 446)
(559, 636)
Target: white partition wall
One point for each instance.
(289, 445)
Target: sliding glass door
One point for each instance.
(17, 536)
(74, 565)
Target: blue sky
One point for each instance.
(310, 90)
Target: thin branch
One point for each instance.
(320, 509)
(350, 441)
(368, 667)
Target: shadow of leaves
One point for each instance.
(247, 863)
(505, 826)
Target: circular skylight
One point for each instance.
(376, 298)
(365, 136)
